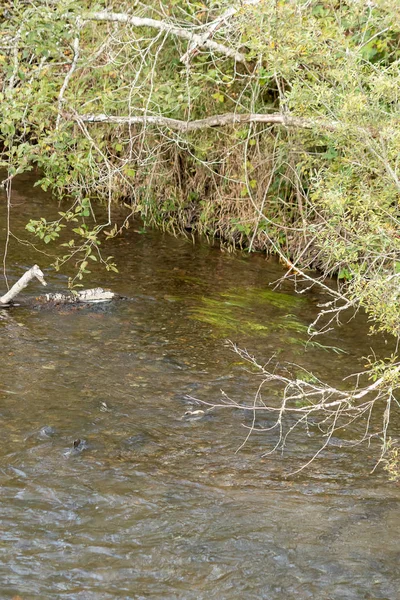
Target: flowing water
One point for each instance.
(155, 503)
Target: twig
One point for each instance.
(75, 47)
(211, 28)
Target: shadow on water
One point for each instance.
(108, 490)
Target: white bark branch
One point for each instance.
(22, 283)
(314, 403)
(211, 28)
(212, 121)
(186, 34)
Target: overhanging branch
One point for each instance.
(186, 34)
(212, 121)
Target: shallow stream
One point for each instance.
(155, 503)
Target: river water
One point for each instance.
(153, 502)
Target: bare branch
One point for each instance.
(211, 28)
(22, 283)
(186, 34)
(213, 121)
(308, 401)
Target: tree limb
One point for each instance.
(212, 121)
(312, 403)
(186, 34)
(21, 284)
(90, 296)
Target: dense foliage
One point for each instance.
(322, 193)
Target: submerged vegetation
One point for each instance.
(238, 311)
(272, 125)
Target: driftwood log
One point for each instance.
(93, 295)
(84, 296)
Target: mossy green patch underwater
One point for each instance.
(252, 311)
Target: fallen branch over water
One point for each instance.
(313, 404)
(34, 272)
(84, 296)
